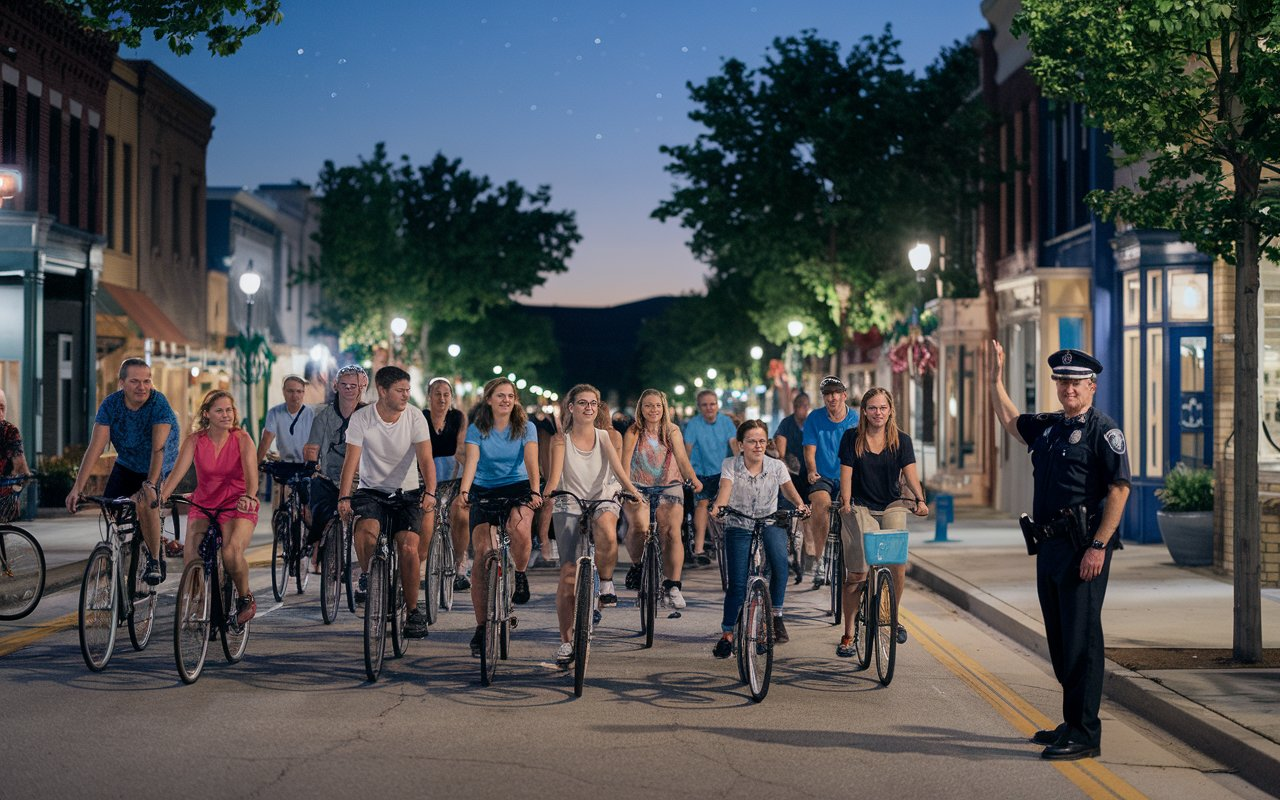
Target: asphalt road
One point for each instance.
(297, 718)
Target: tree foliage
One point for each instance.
(817, 170)
(224, 24)
(433, 244)
(1190, 88)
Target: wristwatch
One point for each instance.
(1098, 545)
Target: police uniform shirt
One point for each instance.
(1075, 460)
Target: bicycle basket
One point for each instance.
(885, 547)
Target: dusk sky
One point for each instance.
(577, 95)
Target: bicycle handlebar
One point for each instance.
(499, 504)
(17, 480)
(778, 516)
(588, 505)
(186, 499)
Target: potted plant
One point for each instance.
(1186, 519)
(58, 475)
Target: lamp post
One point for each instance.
(250, 282)
(756, 352)
(919, 258)
(398, 326)
(794, 328)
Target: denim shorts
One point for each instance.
(710, 487)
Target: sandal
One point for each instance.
(172, 548)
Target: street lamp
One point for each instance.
(757, 353)
(711, 373)
(497, 369)
(919, 258)
(250, 282)
(398, 326)
(679, 388)
(454, 351)
(795, 328)
(10, 183)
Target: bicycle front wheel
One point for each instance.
(886, 604)
(651, 585)
(279, 553)
(583, 597)
(489, 650)
(330, 570)
(435, 575)
(797, 550)
(98, 609)
(235, 637)
(716, 530)
(375, 617)
(298, 557)
(191, 622)
(757, 647)
(399, 610)
(835, 580)
(142, 598)
(348, 564)
(864, 627)
(450, 570)
(22, 572)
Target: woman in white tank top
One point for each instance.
(584, 462)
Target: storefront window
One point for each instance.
(1191, 412)
(1133, 389)
(1188, 296)
(1132, 299)
(1155, 297)
(1270, 366)
(1153, 421)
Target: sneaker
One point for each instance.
(521, 594)
(902, 635)
(845, 649)
(633, 577)
(477, 642)
(362, 589)
(564, 653)
(702, 558)
(153, 574)
(246, 609)
(675, 598)
(416, 626)
(461, 583)
(723, 648)
(819, 575)
(609, 600)
(780, 631)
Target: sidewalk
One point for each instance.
(1160, 621)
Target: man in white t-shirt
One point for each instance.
(383, 441)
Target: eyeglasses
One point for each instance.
(350, 368)
(756, 442)
(587, 403)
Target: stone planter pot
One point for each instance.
(1188, 535)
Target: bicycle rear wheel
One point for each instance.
(716, 530)
(835, 579)
(97, 619)
(450, 570)
(435, 575)
(191, 622)
(142, 598)
(583, 596)
(757, 647)
(348, 564)
(279, 553)
(651, 585)
(375, 617)
(797, 549)
(22, 572)
(864, 627)
(235, 637)
(298, 557)
(886, 604)
(330, 570)
(489, 650)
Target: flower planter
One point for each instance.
(1188, 535)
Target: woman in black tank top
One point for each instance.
(448, 428)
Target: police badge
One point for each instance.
(1075, 436)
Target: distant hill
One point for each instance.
(599, 345)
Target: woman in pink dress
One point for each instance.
(226, 477)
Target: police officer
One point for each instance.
(1078, 458)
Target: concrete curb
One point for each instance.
(1254, 757)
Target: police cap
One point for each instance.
(1074, 365)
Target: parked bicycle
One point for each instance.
(499, 569)
(206, 603)
(753, 632)
(442, 562)
(288, 556)
(22, 568)
(650, 591)
(112, 592)
(384, 605)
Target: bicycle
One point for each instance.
(499, 620)
(22, 568)
(106, 583)
(207, 596)
(336, 557)
(384, 605)
(878, 612)
(441, 559)
(753, 633)
(833, 566)
(586, 585)
(651, 563)
(288, 557)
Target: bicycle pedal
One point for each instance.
(596, 616)
(513, 622)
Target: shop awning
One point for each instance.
(153, 322)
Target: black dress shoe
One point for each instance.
(1070, 751)
(1051, 736)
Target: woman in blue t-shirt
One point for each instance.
(502, 461)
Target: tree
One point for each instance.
(815, 172)
(1192, 89)
(225, 24)
(433, 244)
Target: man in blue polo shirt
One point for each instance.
(709, 437)
(143, 429)
(822, 432)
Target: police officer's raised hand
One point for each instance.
(997, 362)
(1091, 564)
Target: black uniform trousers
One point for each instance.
(1072, 611)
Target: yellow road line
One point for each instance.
(16, 641)
(1095, 780)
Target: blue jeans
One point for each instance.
(737, 545)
